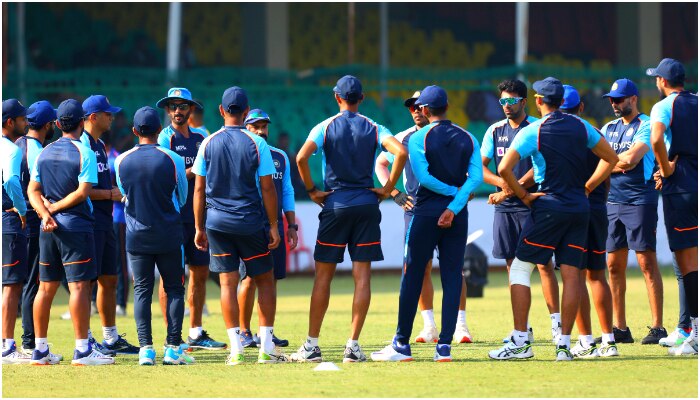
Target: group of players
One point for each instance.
(217, 201)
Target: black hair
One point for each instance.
(437, 111)
(67, 125)
(4, 123)
(513, 86)
(678, 82)
(553, 102)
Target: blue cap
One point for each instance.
(256, 115)
(668, 69)
(622, 88)
(98, 103)
(177, 93)
(550, 88)
(571, 97)
(348, 88)
(40, 113)
(70, 112)
(147, 121)
(433, 97)
(12, 108)
(234, 100)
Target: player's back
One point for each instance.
(350, 143)
(684, 144)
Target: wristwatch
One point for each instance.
(293, 226)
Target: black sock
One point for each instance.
(690, 283)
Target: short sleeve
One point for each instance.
(88, 167)
(266, 167)
(164, 139)
(643, 134)
(383, 134)
(316, 135)
(199, 167)
(525, 142)
(661, 112)
(593, 135)
(487, 144)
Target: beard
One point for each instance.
(185, 118)
(49, 134)
(623, 112)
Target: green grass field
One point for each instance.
(641, 371)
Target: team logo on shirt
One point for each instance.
(630, 132)
(277, 163)
(500, 151)
(180, 148)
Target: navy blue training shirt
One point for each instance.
(30, 148)
(101, 209)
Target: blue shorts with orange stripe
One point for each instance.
(681, 220)
(69, 254)
(14, 258)
(550, 232)
(356, 228)
(227, 249)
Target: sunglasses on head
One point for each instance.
(511, 101)
(181, 106)
(617, 100)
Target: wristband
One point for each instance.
(401, 198)
(293, 226)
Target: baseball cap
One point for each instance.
(256, 115)
(432, 96)
(235, 99)
(669, 69)
(411, 100)
(622, 88)
(147, 121)
(349, 88)
(12, 108)
(550, 89)
(177, 93)
(98, 103)
(40, 113)
(571, 97)
(70, 112)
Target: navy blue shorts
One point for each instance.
(14, 258)
(106, 252)
(550, 232)
(279, 257)
(193, 256)
(681, 219)
(69, 254)
(228, 249)
(356, 227)
(597, 234)
(507, 227)
(631, 227)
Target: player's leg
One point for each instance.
(507, 228)
(51, 274)
(31, 287)
(602, 299)
(655, 291)
(163, 302)
(246, 301)
(361, 297)
(617, 268)
(683, 328)
(230, 310)
(585, 347)
(279, 257)
(172, 273)
(550, 290)
(462, 334)
(429, 333)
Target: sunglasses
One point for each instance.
(181, 106)
(510, 101)
(617, 100)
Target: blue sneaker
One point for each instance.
(176, 356)
(99, 347)
(147, 355)
(247, 339)
(442, 353)
(393, 352)
(205, 342)
(121, 346)
(275, 340)
(41, 357)
(91, 357)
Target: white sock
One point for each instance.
(351, 343)
(519, 337)
(694, 332)
(428, 319)
(586, 340)
(608, 337)
(7, 343)
(235, 338)
(462, 318)
(42, 344)
(565, 340)
(110, 334)
(266, 339)
(195, 332)
(311, 342)
(556, 320)
(81, 345)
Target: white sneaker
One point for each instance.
(13, 356)
(235, 359)
(608, 350)
(689, 347)
(530, 336)
(581, 351)
(511, 351)
(556, 332)
(564, 354)
(91, 357)
(274, 357)
(427, 335)
(390, 354)
(462, 335)
(307, 355)
(45, 358)
(52, 358)
(147, 355)
(66, 316)
(675, 338)
(353, 354)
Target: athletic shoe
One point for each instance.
(121, 346)
(530, 336)
(275, 357)
(442, 353)
(564, 354)
(13, 356)
(620, 336)
(53, 358)
(676, 338)
(608, 350)
(556, 332)
(689, 347)
(147, 355)
(121, 311)
(305, 354)
(462, 335)
(102, 349)
(203, 341)
(41, 358)
(581, 351)
(247, 339)
(393, 352)
(235, 359)
(275, 340)
(655, 334)
(353, 354)
(175, 355)
(511, 351)
(91, 357)
(427, 335)
(183, 344)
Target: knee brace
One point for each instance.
(520, 272)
